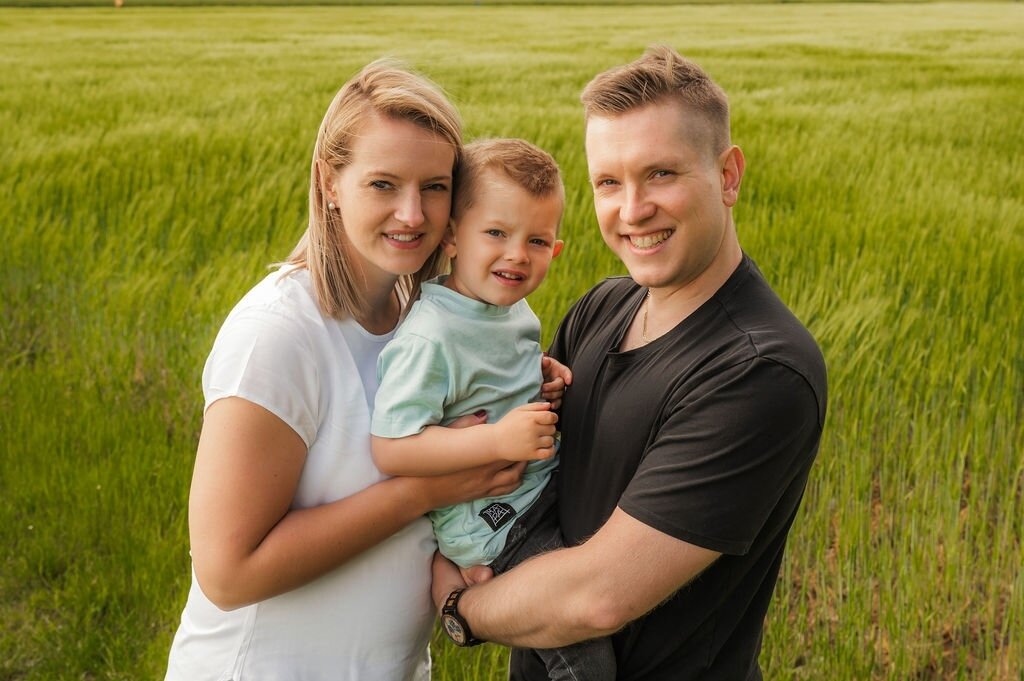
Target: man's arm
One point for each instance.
(578, 593)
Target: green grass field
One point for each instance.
(154, 161)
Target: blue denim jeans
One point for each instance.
(535, 532)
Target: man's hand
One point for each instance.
(446, 578)
(556, 377)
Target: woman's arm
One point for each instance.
(248, 545)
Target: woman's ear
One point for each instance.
(325, 176)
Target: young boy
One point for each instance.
(471, 343)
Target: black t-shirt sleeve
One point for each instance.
(725, 455)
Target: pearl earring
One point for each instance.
(330, 204)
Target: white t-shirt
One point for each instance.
(369, 619)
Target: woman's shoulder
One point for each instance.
(286, 292)
(279, 312)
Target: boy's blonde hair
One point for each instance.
(661, 74)
(529, 166)
(384, 87)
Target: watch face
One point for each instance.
(455, 631)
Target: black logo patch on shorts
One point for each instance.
(497, 514)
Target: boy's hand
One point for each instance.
(527, 433)
(556, 377)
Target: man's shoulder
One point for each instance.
(771, 330)
(606, 295)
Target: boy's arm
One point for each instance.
(525, 434)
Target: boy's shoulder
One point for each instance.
(427, 319)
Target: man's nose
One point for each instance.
(636, 207)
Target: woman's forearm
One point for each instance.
(308, 543)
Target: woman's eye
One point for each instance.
(381, 184)
(436, 187)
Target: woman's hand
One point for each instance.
(490, 480)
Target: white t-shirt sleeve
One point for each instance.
(266, 358)
(414, 381)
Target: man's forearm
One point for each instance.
(544, 603)
(574, 594)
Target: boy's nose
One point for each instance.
(515, 253)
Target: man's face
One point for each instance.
(660, 194)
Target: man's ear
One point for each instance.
(448, 241)
(732, 164)
(325, 176)
(557, 248)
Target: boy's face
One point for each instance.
(503, 243)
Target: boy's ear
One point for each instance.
(557, 249)
(448, 241)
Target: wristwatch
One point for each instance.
(454, 624)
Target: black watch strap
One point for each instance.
(455, 624)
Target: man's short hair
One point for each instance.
(660, 75)
(527, 165)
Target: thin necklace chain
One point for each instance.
(643, 325)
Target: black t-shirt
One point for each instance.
(706, 434)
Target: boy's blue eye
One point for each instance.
(539, 242)
(494, 232)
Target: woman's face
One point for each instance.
(394, 197)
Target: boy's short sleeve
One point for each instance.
(266, 358)
(414, 387)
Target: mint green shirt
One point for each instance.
(452, 356)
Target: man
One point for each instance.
(694, 415)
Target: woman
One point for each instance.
(307, 563)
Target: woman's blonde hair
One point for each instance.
(384, 87)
